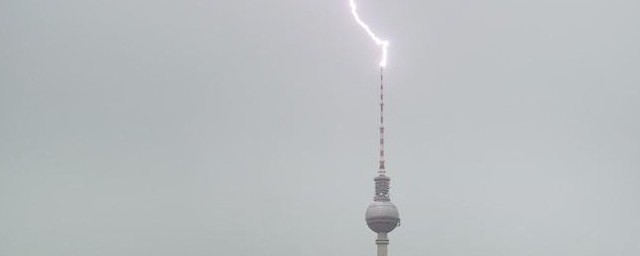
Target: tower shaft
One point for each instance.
(382, 241)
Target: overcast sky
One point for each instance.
(243, 128)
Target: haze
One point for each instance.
(244, 128)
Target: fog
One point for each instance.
(246, 128)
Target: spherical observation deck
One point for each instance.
(382, 216)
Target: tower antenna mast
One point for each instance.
(381, 169)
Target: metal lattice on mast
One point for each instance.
(381, 169)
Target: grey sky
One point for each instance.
(249, 127)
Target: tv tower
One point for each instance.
(382, 215)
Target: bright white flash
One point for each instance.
(380, 42)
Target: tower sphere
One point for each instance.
(382, 216)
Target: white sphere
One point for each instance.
(382, 216)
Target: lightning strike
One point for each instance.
(380, 42)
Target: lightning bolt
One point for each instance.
(383, 44)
